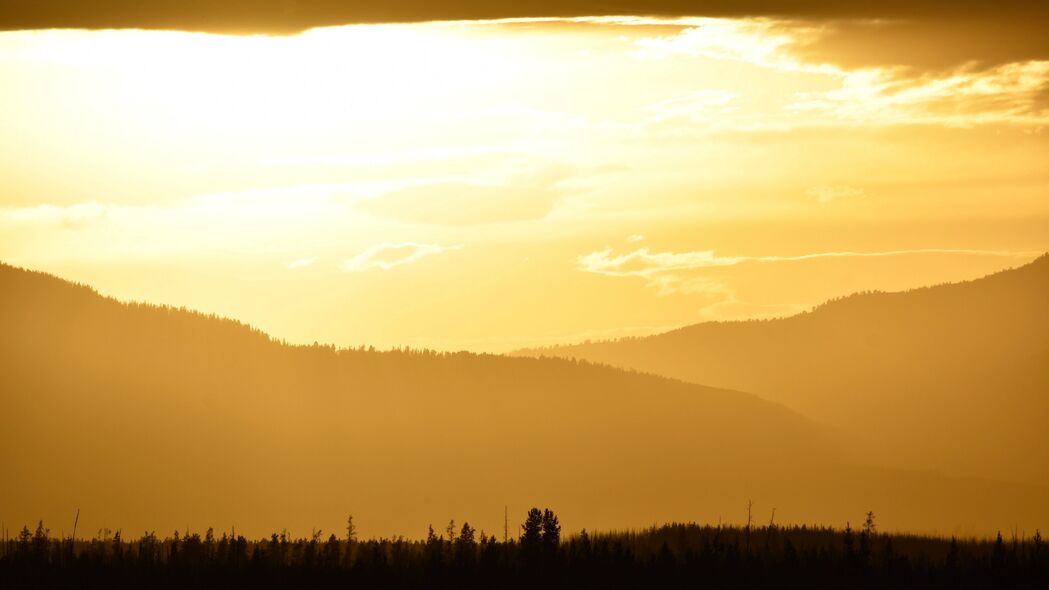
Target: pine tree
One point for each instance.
(866, 538)
(351, 537)
(951, 561)
(998, 554)
(433, 548)
(40, 543)
(331, 552)
(551, 530)
(466, 535)
(465, 545)
(532, 535)
(848, 547)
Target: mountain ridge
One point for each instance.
(912, 360)
(148, 417)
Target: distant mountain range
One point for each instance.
(953, 378)
(149, 417)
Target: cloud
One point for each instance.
(922, 35)
(922, 43)
(647, 264)
(519, 198)
(962, 91)
(711, 99)
(374, 159)
(282, 16)
(635, 238)
(389, 255)
(643, 263)
(301, 263)
(731, 308)
(1009, 93)
(828, 193)
(672, 284)
(74, 216)
(758, 42)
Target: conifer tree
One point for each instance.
(551, 530)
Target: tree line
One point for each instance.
(673, 555)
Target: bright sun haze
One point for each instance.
(305, 183)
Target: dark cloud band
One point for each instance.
(923, 34)
(286, 16)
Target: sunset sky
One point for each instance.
(495, 184)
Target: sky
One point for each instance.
(522, 174)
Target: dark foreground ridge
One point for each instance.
(674, 556)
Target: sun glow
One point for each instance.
(238, 90)
(499, 152)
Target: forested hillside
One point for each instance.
(155, 418)
(953, 378)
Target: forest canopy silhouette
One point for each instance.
(666, 556)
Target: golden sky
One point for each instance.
(490, 185)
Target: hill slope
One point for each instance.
(952, 377)
(151, 417)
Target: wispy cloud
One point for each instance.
(709, 102)
(301, 263)
(531, 194)
(389, 255)
(645, 263)
(758, 42)
(1009, 93)
(671, 284)
(69, 217)
(828, 193)
(430, 154)
(878, 93)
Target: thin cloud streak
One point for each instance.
(644, 263)
(390, 255)
(301, 263)
(830, 193)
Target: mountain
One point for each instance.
(953, 377)
(149, 417)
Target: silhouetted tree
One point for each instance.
(467, 535)
(432, 548)
(673, 556)
(551, 530)
(118, 547)
(23, 543)
(466, 545)
(998, 553)
(848, 545)
(584, 548)
(209, 544)
(951, 561)
(351, 529)
(1037, 548)
(866, 538)
(148, 549)
(40, 543)
(351, 538)
(532, 535)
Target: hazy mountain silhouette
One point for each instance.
(953, 377)
(148, 416)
